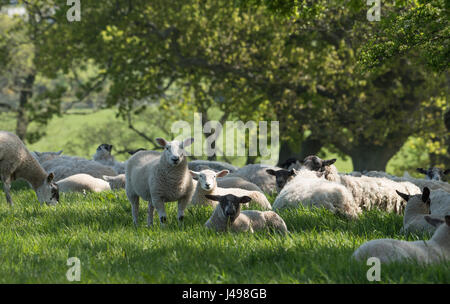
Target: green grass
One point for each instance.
(35, 242)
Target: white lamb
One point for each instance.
(207, 185)
(437, 249)
(198, 165)
(160, 180)
(417, 208)
(309, 190)
(17, 162)
(256, 173)
(228, 216)
(82, 183)
(116, 182)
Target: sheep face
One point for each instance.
(315, 163)
(282, 176)
(230, 204)
(434, 173)
(174, 152)
(48, 192)
(421, 200)
(207, 178)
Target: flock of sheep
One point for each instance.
(167, 176)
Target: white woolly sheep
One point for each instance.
(207, 185)
(309, 190)
(228, 216)
(198, 165)
(437, 249)
(17, 162)
(82, 182)
(116, 182)
(160, 180)
(256, 173)
(417, 207)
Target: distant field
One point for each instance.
(97, 228)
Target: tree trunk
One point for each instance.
(372, 158)
(25, 94)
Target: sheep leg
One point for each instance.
(159, 205)
(150, 212)
(6, 189)
(134, 200)
(182, 203)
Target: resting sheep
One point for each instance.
(437, 249)
(103, 156)
(159, 180)
(228, 216)
(417, 208)
(207, 185)
(17, 162)
(257, 174)
(116, 182)
(282, 177)
(197, 165)
(81, 183)
(434, 173)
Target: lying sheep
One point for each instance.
(207, 185)
(160, 180)
(228, 216)
(440, 202)
(45, 156)
(116, 182)
(103, 155)
(257, 174)
(309, 190)
(437, 249)
(237, 182)
(17, 162)
(282, 177)
(417, 208)
(198, 165)
(434, 173)
(81, 183)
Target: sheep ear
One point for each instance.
(222, 173)
(434, 221)
(293, 172)
(271, 171)
(446, 171)
(50, 177)
(425, 194)
(421, 170)
(245, 199)
(194, 174)
(161, 141)
(403, 195)
(213, 197)
(110, 147)
(329, 162)
(187, 142)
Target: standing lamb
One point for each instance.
(437, 249)
(160, 180)
(207, 185)
(228, 216)
(17, 162)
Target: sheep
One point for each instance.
(17, 162)
(45, 156)
(115, 182)
(256, 173)
(159, 180)
(440, 202)
(309, 190)
(434, 173)
(435, 250)
(237, 182)
(417, 207)
(197, 165)
(65, 166)
(103, 156)
(228, 216)
(207, 184)
(81, 183)
(282, 177)
(131, 152)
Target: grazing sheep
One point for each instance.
(417, 207)
(198, 165)
(257, 174)
(65, 166)
(159, 180)
(437, 249)
(228, 216)
(103, 156)
(282, 177)
(434, 173)
(17, 162)
(309, 190)
(207, 185)
(82, 182)
(116, 182)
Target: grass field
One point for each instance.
(36, 241)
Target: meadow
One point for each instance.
(36, 241)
